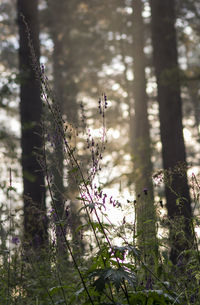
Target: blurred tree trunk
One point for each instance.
(35, 222)
(57, 157)
(145, 209)
(193, 90)
(65, 92)
(171, 128)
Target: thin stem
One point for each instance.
(58, 121)
(28, 257)
(61, 228)
(10, 215)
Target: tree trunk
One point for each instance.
(141, 142)
(65, 92)
(171, 128)
(57, 156)
(35, 222)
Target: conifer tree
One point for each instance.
(171, 128)
(35, 222)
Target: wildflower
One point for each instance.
(67, 211)
(104, 198)
(105, 100)
(118, 204)
(145, 190)
(149, 283)
(15, 240)
(100, 111)
(42, 69)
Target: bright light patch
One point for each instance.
(113, 133)
(129, 75)
(193, 171)
(149, 89)
(95, 133)
(116, 134)
(159, 146)
(129, 10)
(127, 157)
(125, 94)
(115, 87)
(187, 134)
(1, 68)
(188, 30)
(147, 11)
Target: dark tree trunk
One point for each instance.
(171, 128)
(35, 222)
(141, 140)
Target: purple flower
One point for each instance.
(149, 284)
(42, 69)
(15, 240)
(145, 190)
(104, 198)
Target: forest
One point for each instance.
(100, 152)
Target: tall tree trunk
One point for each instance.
(141, 142)
(65, 91)
(171, 128)
(35, 222)
(57, 157)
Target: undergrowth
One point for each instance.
(104, 272)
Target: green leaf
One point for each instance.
(11, 188)
(131, 250)
(116, 276)
(27, 175)
(151, 297)
(73, 170)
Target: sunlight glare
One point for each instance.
(115, 87)
(116, 134)
(187, 134)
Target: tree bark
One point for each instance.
(171, 128)
(141, 142)
(35, 222)
(65, 91)
(57, 156)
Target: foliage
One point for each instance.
(109, 270)
(107, 273)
